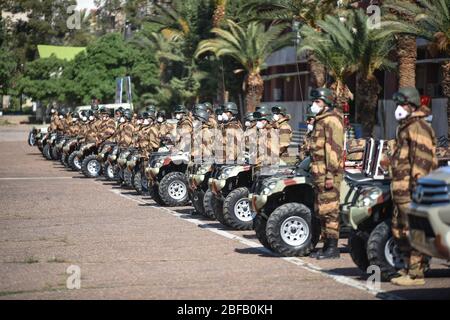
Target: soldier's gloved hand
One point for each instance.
(329, 184)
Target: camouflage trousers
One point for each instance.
(415, 261)
(327, 210)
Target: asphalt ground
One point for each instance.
(126, 247)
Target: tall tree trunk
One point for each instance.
(342, 93)
(367, 90)
(219, 12)
(446, 90)
(316, 72)
(407, 56)
(254, 91)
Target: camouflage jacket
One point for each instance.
(184, 132)
(414, 155)
(304, 148)
(74, 129)
(267, 144)
(327, 147)
(92, 131)
(202, 143)
(107, 130)
(285, 135)
(124, 135)
(56, 124)
(232, 140)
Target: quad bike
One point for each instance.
(87, 155)
(35, 137)
(105, 151)
(230, 186)
(110, 167)
(199, 193)
(69, 151)
(47, 144)
(122, 175)
(168, 183)
(136, 166)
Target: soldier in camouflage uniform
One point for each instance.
(107, 126)
(250, 134)
(75, 127)
(212, 116)
(202, 137)
(232, 134)
(125, 130)
(306, 144)
(414, 156)
(265, 150)
(327, 168)
(281, 123)
(184, 129)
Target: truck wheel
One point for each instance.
(47, 152)
(173, 189)
(383, 252)
(154, 194)
(357, 245)
(137, 183)
(292, 230)
(218, 209)
(208, 204)
(74, 161)
(259, 224)
(196, 198)
(91, 167)
(108, 171)
(236, 210)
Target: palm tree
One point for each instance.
(219, 12)
(249, 45)
(431, 21)
(347, 46)
(304, 12)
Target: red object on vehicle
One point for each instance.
(346, 107)
(425, 101)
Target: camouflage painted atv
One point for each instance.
(168, 184)
(199, 193)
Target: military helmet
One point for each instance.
(230, 107)
(218, 110)
(200, 106)
(89, 113)
(150, 108)
(144, 115)
(279, 110)
(201, 115)
(128, 114)
(94, 107)
(63, 112)
(180, 109)
(161, 113)
(407, 95)
(324, 94)
(208, 106)
(264, 113)
(250, 117)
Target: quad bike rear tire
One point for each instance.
(154, 194)
(47, 152)
(357, 246)
(292, 230)
(64, 158)
(173, 189)
(208, 204)
(55, 154)
(108, 172)
(259, 225)
(74, 161)
(218, 209)
(91, 167)
(196, 197)
(237, 213)
(137, 182)
(127, 177)
(383, 252)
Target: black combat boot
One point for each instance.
(331, 251)
(319, 252)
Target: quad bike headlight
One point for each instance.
(268, 189)
(159, 163)
(370, 198)
(203, 170)
(225, 174)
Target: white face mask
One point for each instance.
(401, 113)
(84, 119)
(139, 121)
(146, 122)
(91, 118)
(74, 119)
(122, 120)
(247, 123)
(61, 117)
(225, 117)
(260, 125)
(160, 119)
(178, 116)
(52, 111)
(219, 117)
(310, 127)
(276, 117)
(315, 108)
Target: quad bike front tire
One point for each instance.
(196, 197)
(91, 167)
(154, 194)
(259, 225)
(74, 161)
(357, 246)
(383, 252)
(137, 182)
(218, 209)
(64, 158)
(292, 230)
(173, 189)
(208, 204)
(55, 154)
(237, 213)
(127, 177)
(108, 171)
(47, 152)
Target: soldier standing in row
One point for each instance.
(281, 123)
(327, 168)
(232, 133)
(184, 129)
(414, 156)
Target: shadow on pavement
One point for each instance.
(262, 252)
(415, 293)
